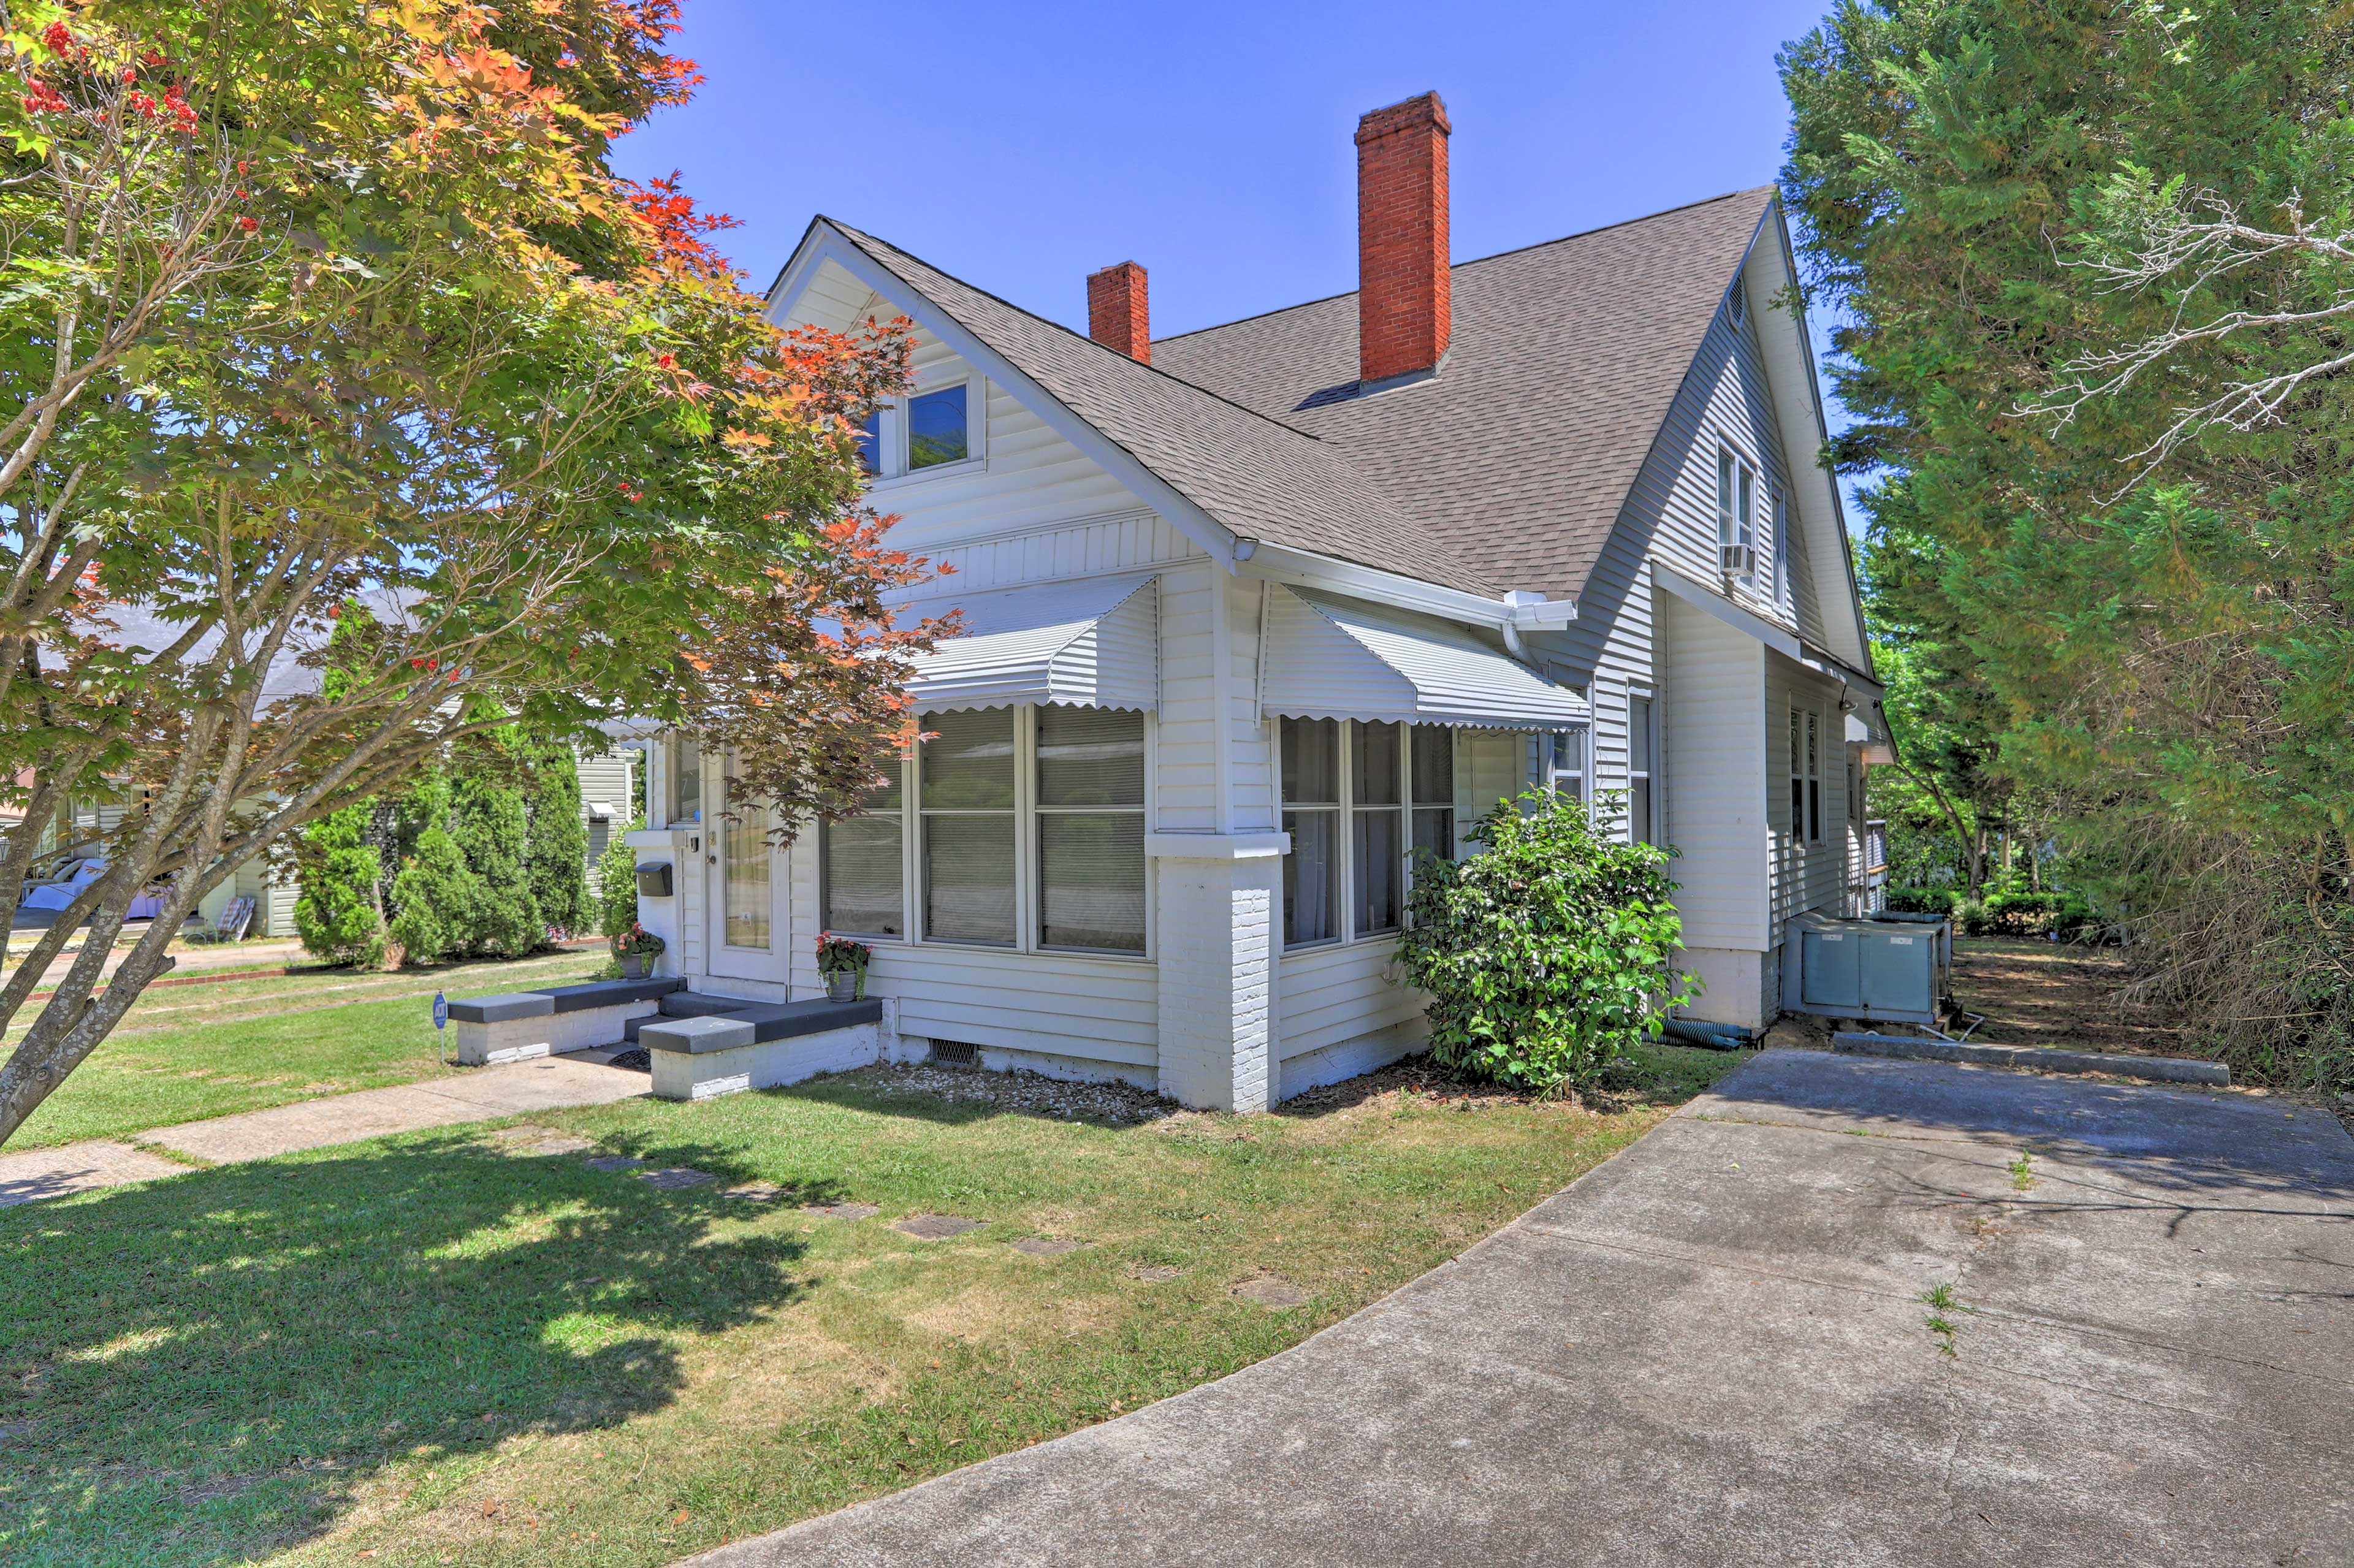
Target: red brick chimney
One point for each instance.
(1403, 314)
(1117, 316)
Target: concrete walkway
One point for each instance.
(477, 1094)
(1714, 1350)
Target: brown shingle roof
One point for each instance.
(1518, 456)
(1259, 476)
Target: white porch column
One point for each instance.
(1218, 928)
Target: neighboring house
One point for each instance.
(1254, 611)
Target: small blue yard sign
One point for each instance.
(441, 1011)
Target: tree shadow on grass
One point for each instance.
(200, 1370)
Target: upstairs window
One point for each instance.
(870, 444)
(1781, 526)
(937, 431)
(1642, 821)
(1736, 514)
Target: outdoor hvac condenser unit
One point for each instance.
(1890, 970)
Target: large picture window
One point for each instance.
(968, 827)
(864, 891)
(1090, 809)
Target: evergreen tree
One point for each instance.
(487, 825)
(338, 911)
(438, 897)
(617, 887)
(555, 841)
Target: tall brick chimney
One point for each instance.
(1117, 314)
(1403, 312)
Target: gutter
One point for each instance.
(1518, 612)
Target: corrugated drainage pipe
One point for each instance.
(1712, 1036)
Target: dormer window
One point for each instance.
(1736, 514)
(936, 428)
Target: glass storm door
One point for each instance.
(748, 893)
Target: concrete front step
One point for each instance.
(760, 1045)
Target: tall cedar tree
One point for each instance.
(307, 299)
(555, 841)
(2119, 598)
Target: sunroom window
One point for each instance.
(1311, 815)
(1434, 791)
(1377, 839)
(864, 882)
(968, 827)
(1091, 814)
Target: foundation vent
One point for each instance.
(955, 1053)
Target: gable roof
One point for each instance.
(1518, 456)
(1258, 477)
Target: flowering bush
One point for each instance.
(637, 939)
(1548, 953)
(837, 954)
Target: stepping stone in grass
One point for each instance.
(613, 1162)
(755, 1191)
(1270, 1292)
(1045, 1246)
(842, 1210)
(935, 1227)
(675, 1177)
(1154, 1273)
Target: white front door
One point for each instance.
(750, 909)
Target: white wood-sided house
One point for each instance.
(1253, 612)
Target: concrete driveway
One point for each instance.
(1714, 1350)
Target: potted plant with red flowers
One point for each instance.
(843, 964)
(635, 949)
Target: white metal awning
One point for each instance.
(1330, 657)
(1091, 642)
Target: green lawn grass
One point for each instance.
(439, 1347)
(183, 1052)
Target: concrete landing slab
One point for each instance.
(37, 1174)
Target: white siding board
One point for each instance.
(1327, 995)
(1714, 732)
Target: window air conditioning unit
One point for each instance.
(1736, 560)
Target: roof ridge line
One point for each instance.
(1454, 267)
(1082, 337)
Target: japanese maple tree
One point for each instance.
(337, 303)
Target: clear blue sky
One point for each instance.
(1021, 146)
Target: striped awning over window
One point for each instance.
(1330, 657)
(1090, 643)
